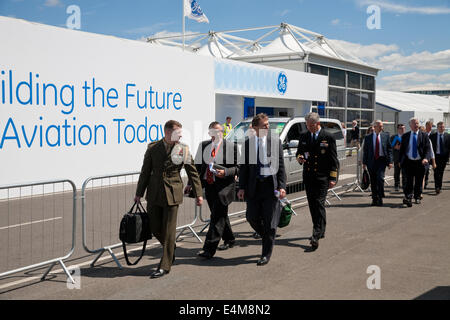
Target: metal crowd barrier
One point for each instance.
(350, 168)
(34, 227)
(105, 199)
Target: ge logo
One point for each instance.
(282, 83)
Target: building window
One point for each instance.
(366, 118)
(368, 82)
(366, 100)
(336, 114)
(353, 115)
(337, 77)
(336, 97)
(354, 80)
(319, 69)
(353, 99)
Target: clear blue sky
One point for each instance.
(412, 46)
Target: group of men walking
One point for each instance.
(411, 154)
(259, 169)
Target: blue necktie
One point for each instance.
(414, 146)
(441, 145)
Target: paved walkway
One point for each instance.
(409, 245)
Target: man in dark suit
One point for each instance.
(160, 177)
(377, 154)
(414, 156)
(261, 174)
(317, 153)
(441, 147)
(219, 187)
(396, 141)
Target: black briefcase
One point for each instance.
(134, 228)
(365, 180)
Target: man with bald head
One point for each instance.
(377, 154)
(415, 154)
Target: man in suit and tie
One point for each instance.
(160, 177)
(414, 156)
(318, 154)
(219, 184)
(377, 154)
(262, 176)
(441, 147)
(395, 144)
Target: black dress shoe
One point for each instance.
(380, 203)
(262, 261)
(438, 191)
(205, 254)
(227, 245)
(321, 237)
(159, 273)
(314, 244)
(408, 202)
(374, 203)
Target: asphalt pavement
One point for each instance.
(389, 252)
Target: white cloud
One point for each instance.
(387, 57)
(52, 3)
(284, 12)
(424, 60)
(148, 29)
(368, 53)
(335, 22)
(417, 77)
(402, 8)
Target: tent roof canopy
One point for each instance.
(282, 40)
(401, 101)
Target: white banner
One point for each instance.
(75, 104)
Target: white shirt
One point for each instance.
(264, 159)
(409, 152)
(374, 139)
(214, 145)
(431, 145)
(316, 134)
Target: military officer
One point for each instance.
(160, 177)
(317, 153)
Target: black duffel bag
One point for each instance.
(134, 228)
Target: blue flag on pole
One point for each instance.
(193, 11)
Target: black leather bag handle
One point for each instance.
(139, 209)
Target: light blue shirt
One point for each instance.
(438, 143)
(409, 153)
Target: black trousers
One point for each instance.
(263, 214)
(397, 172)
(377, 178)
(427, 173)
(441, 163)
(415, 171)
(316, 192)
(219, 226)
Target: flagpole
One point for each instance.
(182, 12)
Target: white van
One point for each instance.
(289, 130)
